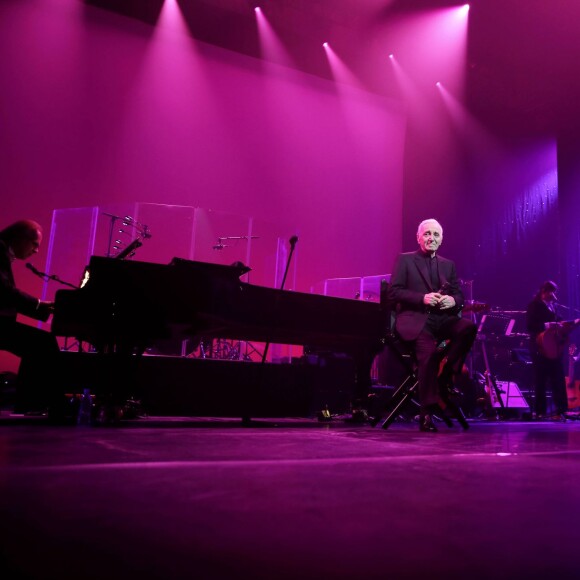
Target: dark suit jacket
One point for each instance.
(410, 281)
(12, 300)
(537, 314)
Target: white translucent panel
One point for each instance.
(165, 232)
(343, 287)
(371, 287)
(171, 230)
(357, 288)
(71, 242)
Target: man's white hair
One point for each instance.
(430, 220)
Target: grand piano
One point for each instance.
(127, 306)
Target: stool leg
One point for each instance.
(458, 414)
(399, 401)
(439, 412)
(445, 378)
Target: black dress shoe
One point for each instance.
(426, 424)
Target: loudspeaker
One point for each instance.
(511, 396)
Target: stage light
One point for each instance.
(272, 48)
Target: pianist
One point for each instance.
(36, 348)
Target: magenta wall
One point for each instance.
(97, 108)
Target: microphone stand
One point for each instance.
(54, 277)
(293, 241)
(248, 402)
(114, 219)
(568, 308)
(220, 243)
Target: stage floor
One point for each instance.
(177, 497)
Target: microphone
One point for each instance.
(293, 241)
(218, 247)
(34, 270)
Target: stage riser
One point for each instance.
(181, 386)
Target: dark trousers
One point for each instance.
(461, 333)
(37, 350)
(549, 373)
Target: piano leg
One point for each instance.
(362, 387)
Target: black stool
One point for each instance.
(407, 389)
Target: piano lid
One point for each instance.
(236, 269)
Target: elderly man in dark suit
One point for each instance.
(428, 298)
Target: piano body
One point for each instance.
(128, 305)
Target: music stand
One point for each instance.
(497, 324)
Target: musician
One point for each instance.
(425, 288)
(548, 367)
(35, 347)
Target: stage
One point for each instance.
(187, 497)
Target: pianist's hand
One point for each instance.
(44, 310)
